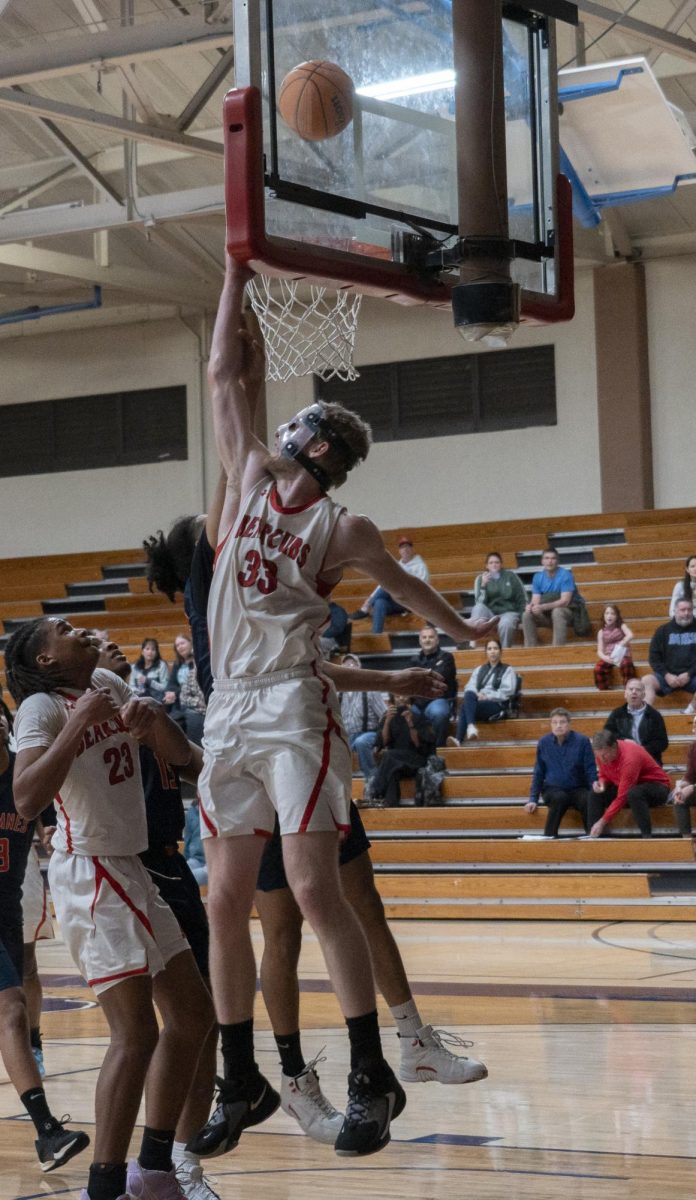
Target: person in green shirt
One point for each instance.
(499, 593)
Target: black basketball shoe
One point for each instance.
(57, 1145)
(240, 1103)
(375, 1098)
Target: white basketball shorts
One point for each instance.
(275, 744)
(112, 918)
(36, 915)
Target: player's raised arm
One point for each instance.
(358, 543)
(234, 377)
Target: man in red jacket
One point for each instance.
(632, 776)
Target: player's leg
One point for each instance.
(300, 1093)
(245, 1096)
(374, 1095)
(186, 1009)
(133, 1034)
(34, 995)
(424, 1056)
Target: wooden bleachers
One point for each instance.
(472, 856)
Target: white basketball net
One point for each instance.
(314, 336)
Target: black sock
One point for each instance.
(35, 1103)
(237, 1043)
(291, 1057)
(35, 1038)
(365, 1044)
(156, 1149)
(107, 1181)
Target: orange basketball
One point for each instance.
(316, 100)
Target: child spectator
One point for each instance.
(685, 588)
(613, 649)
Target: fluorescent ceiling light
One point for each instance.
(412, 85)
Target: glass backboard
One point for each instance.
(374, 207)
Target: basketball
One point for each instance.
(316, 100)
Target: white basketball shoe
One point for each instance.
(426, 1059)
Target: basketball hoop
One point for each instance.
(312, 336)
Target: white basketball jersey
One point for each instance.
(100, 807)
(267, 603)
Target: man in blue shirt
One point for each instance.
(564, 772)
(552, 592)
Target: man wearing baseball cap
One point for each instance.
(380, 604)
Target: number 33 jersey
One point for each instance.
(100, 806)
(268, 602)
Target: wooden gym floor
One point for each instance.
(586, 1029)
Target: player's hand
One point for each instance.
(139, 715)
(481, 629)
(47, 832)
(95, 705)
(417, 681)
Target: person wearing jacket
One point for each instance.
(499, 592)
(564, 773)
(404, 744)
(627, 775)
(487, 694)
(639, 722)
(672, 656)
(433, 658)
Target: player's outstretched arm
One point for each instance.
(234, 379)
(413, 681)
(357, 542)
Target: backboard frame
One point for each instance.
(248, 238)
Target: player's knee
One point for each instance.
(314, 899)
(367, 906)
(282, 934)
(13, 1013)
(136, 1037)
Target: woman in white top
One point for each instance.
(685, 588)
(487, 694)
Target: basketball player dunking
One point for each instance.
(274, 741)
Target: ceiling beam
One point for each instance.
(675, 23)
(201, 97)
(36, 223)
(132, 43)
(39, 106)
(652, 34)
(81, 162)
(37, 189)
(129, 279)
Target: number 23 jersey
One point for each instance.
(268, 602)
(100, 807)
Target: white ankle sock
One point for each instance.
(408, 1020)
(181, 1155)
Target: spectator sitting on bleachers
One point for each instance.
(183, 652)
(433, 658)
(553, 588)
(193, 844)
(404, 744)
(684, 793)
(613, 649)
(487, 695)
(499, 592)
(627, 775)
(685, 588)
(149, 674)
(336, 636)
(379, 603)
(564, 773)
(362, 714)
(639, 722)
(672, 656)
